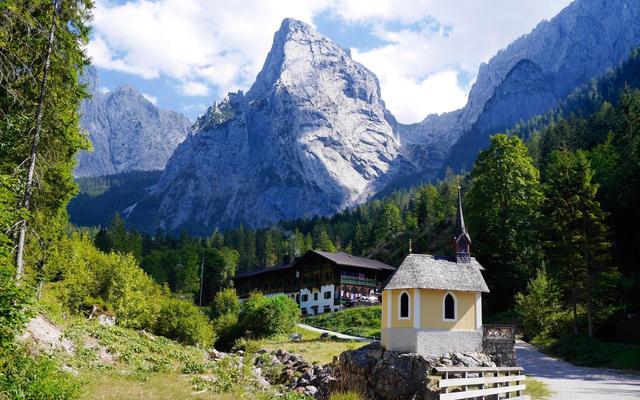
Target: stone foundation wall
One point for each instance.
(431, 342)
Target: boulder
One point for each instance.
(389, 375)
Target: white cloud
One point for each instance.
(221, 44)
(412, 66)
(104, 89)
(152, 99)
(194, 89)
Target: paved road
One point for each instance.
(569, 382)
(336, 334)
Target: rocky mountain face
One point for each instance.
(127, 131)
(537, 70)
(311, 136)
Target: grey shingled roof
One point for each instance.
(341, 258)
(432, 272)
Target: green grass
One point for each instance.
(591, 352)
(153, 367)
(311, 347)
(346, 396)
(358, 321)
(537, 390)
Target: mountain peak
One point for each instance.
(290, 25)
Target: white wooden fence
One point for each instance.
(481, 383)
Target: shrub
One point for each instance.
(266, 316)
(33, 377)
(183, 321)
(14, 311)
(591, 352)
(228, 330)
(540, 309)
(86, 276)
(225, 302)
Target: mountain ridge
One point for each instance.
(127, 131)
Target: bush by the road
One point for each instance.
(266, 316)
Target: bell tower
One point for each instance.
(461, 238)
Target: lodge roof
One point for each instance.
(338, 258)
(423, 271)
(264, 270)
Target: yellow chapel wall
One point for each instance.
(431, 309)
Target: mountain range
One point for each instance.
(127, 131)
(312, 135)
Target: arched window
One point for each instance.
(449, 307)
(404, 305)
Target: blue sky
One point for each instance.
(185, 55)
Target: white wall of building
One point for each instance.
(321, 301)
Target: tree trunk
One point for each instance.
(34, 146)
(590, 306)
(574, 302)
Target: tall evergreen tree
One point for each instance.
(575, 235)
(503, 208)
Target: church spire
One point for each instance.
(461, 238)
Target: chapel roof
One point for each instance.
(423, 271)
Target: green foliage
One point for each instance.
(503, 207)
(25, 376)
(591, 352)
(540, 308)
(576, 237)
(227, 329)
(85, 276)
(390, 224)
(225, 302)
(266, 316)
(14, 300)
(184, 322)
(322, 240)
(346, 396)
(14, 311)
(101, 197)
(359, 321)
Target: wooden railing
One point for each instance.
(499, 332)
(481, 383)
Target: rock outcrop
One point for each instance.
(387, 375)
(539, 69)
(295, 373)
(127, 131)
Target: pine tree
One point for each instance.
(323, 241)
(390, 224)
(575, 235)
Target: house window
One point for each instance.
(449, 307)
(404, 305)
(315, 296)
(327, 295)
(305, 297)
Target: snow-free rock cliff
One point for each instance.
(311, 136)
(127, 131)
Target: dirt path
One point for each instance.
(569, 382)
